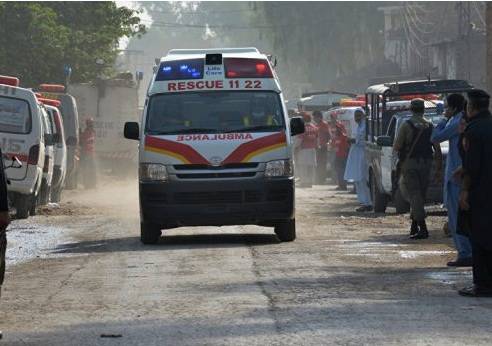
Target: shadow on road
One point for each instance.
(170, 242)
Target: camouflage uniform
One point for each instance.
(416, 152)
(4, 207)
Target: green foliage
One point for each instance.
(39, 38)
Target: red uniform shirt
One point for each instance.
(309, 139)
(88, 141)
(324, 135)
(341, 145)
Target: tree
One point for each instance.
(44, 37)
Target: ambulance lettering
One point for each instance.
(215, 137)
(192, 85)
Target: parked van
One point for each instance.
(215, 144)
(22, 135)
(60, 149)
(68, 108)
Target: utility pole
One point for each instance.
(488, 58)
(464, 31)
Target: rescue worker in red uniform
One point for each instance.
(306, 145)
(340, 144)
(322, 150)
(88, 155)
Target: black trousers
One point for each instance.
(321, 161)
(482, 266)
(3, 249)
(340, 163)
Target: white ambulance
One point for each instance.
(215, 144)
(22, 136)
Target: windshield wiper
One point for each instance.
(183, 131)
(270, 128)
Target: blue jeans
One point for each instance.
(461, 242)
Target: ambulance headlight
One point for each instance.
(153, 172)
(279, 168)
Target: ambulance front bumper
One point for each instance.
(257, 201)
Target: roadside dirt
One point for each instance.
(348, 279)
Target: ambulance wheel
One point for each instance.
(149, 233)
(286, 231)
(401, 205)
(22, 206)
(56, 194)
(379, 200)
(33, 205)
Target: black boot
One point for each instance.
(422, 233)
(414, 228)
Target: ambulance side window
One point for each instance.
(391, 128)
(15, 116)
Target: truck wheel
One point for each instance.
(379, 200)
(22, 206)
(149, 233)
(286, 231)
(401, 205)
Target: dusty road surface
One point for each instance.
(78, 275)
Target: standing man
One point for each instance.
(356, 169)
(88, 155)
(448, 130)
(477, 189)
(4, 222)
(306, 145)
(322, 150)
(414, 148)
(340, 144)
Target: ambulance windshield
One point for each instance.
(215, 112)
(15, 116)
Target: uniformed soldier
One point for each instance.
(415, 152)
(4, 222)
(476, 191)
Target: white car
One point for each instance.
(60, 149)
(22, 135)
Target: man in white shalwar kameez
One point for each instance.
(356, 169)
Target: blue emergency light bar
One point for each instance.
(180, 69)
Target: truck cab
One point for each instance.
(215, 144)
(388, 106)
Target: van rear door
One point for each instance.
(16, 127)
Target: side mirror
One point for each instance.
(57, 138)
(48, 140)
(132, 130)
(71, 141)
(296, 126)
(384, 141)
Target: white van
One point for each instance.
(215, 144)
(60, 149)
(346, 116)
(49, 157)
(22, 135)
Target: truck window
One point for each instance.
(15, 116)
(214, 112)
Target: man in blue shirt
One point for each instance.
(448, 130)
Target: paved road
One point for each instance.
(346, 280)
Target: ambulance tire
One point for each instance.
(401, 205)
(286, 231)
(34, 205)
(149, 233)
(379, 200)
(22, 206)
(56, 194)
